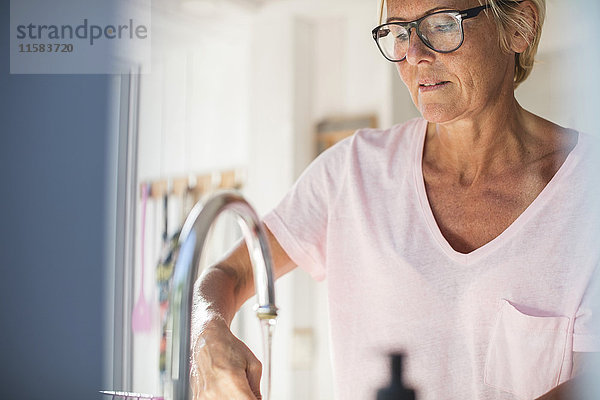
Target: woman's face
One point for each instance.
(458, 85)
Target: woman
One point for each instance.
(465, 238)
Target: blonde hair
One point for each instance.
(507, 16)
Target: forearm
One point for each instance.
(214, 297)
(222, 289)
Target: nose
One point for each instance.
(417, 50)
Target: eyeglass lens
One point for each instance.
(442, 32)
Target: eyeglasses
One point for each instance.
(441, 31)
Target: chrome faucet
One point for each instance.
(192, 238)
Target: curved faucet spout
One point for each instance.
(192, 238)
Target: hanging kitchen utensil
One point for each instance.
(141, 318)
(164, 274)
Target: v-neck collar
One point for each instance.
(542, 198)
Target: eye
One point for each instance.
(402, 36)
(399, 33)
(447, 27)
(381, 33)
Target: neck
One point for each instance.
(471, 148)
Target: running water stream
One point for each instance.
(267, 329)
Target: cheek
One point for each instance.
(407, 77)
(487, 76)
(486, 60)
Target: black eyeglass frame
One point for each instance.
(460, 15)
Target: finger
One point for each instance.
(238, 388)
(224, 383)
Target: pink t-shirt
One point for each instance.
(500, 322)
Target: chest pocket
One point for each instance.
(526, 353)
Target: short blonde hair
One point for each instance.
(507, 16)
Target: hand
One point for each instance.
(223, 367)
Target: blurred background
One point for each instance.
(238, 94)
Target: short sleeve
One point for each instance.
(586, 332)
(299, 222)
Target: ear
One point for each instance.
(522, 36)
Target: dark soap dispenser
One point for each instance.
(396, 390)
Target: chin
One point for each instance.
(437, 113)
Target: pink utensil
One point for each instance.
(141, 317)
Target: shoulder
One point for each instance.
(403, 131)
(370, 149)
(587, 153)
(380, 142)
(590, 144)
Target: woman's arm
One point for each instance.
(224, 287)
(223, 367)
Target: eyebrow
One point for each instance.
(443, 8)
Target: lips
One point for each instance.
(433, 84)
(429, 85)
